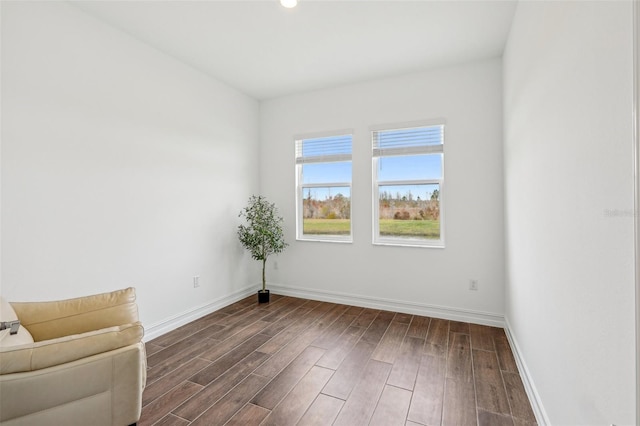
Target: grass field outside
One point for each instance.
(429, 229)
(326, 226)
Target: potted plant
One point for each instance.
(262, 235)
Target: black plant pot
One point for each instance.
(263, 296)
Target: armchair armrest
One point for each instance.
(51, 320)
(39, 355)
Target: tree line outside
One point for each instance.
(400, 215)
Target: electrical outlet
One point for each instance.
(473, 285)
(196, 281)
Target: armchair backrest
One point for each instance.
(51, 320)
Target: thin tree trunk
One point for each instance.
(264, 279)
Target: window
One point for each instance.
(408, 179)
(323, 181)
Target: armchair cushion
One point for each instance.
(38, 355)
(51, 320)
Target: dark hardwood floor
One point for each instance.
(301, 362)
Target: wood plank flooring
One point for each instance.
(302, 362)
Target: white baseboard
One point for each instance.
(536, 403)
(476, 317)
(455, 314)
(166, 325)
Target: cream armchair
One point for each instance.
(73, 362)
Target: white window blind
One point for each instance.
(408, 141)
(323, 150)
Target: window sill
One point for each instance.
(325, 240)
(400, 243)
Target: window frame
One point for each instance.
(300, 186)
(378, 239)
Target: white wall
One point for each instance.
(569, 207)
(469, 98)
(120, 166)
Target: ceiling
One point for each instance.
(268, 51)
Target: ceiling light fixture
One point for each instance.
(289, 3)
